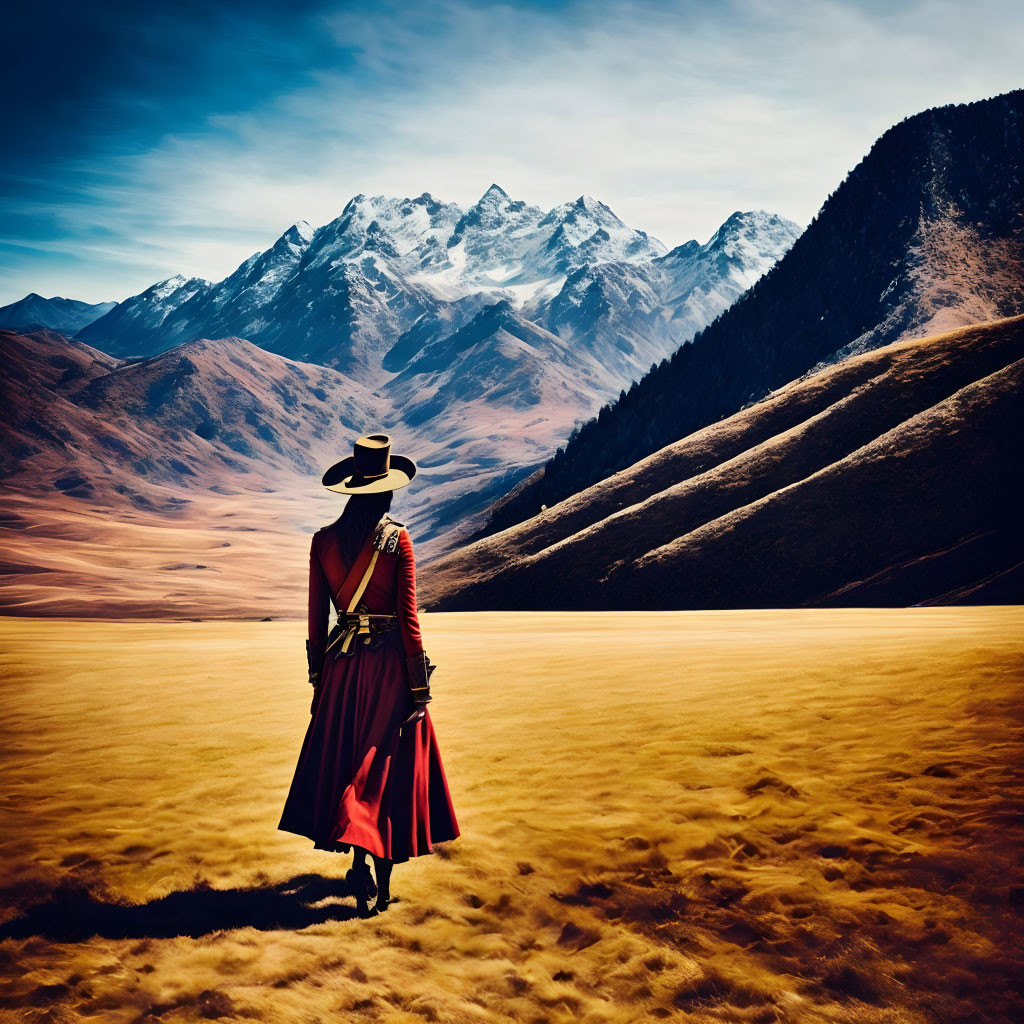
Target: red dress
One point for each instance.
(361, 779)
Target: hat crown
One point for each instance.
(370, 469)
(372, 454)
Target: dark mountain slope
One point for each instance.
(33, 312)
(135, 327)
(892, 478)
(926, 233)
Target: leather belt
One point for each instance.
(358, 627)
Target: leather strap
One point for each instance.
(363, 624)
(356, 579)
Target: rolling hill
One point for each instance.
(114, 470)
(892, 478)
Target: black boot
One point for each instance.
(384, 897)
(360, 883)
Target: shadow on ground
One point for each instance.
(72, 912)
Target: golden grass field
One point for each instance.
(762, 816)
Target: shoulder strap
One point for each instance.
(384, 538)
(357, 595)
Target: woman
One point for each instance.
(369, 776)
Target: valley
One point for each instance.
(766, 418)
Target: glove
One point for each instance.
(419, 669)
(314, 661)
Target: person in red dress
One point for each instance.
(369, 776)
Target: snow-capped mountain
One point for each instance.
(633, 313)
(365, 291)
(136, 326)
(253, 286)
(697, 282)
(488, 245)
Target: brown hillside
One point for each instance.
(182, 485)
(892, 478)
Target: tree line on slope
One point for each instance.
(846, 272)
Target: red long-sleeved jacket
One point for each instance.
(390, 591)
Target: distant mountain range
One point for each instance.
(924, 235)
(34, 313)
(203, 415)
(477, 391)
(366, 292)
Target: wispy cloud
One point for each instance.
(675, 115)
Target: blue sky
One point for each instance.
(150, 139)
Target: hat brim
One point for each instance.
(342, 477)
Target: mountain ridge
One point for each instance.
(56, 313)
(852, 485)
(464, 359)
(352, 292)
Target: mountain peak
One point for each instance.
(227, 344)
(744, 229)
(494, 192)
(300, 233)
(590, 204)
(689, 248)
(586, 211)
(67, 316)
(166, 286)
(352, 205)
(744, 218)
(178, 284)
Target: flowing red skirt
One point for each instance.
(362, 778)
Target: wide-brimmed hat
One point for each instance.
(370, 469)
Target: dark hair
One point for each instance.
(361, 514)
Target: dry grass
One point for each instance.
(704, 816)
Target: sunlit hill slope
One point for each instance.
(892, 478)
